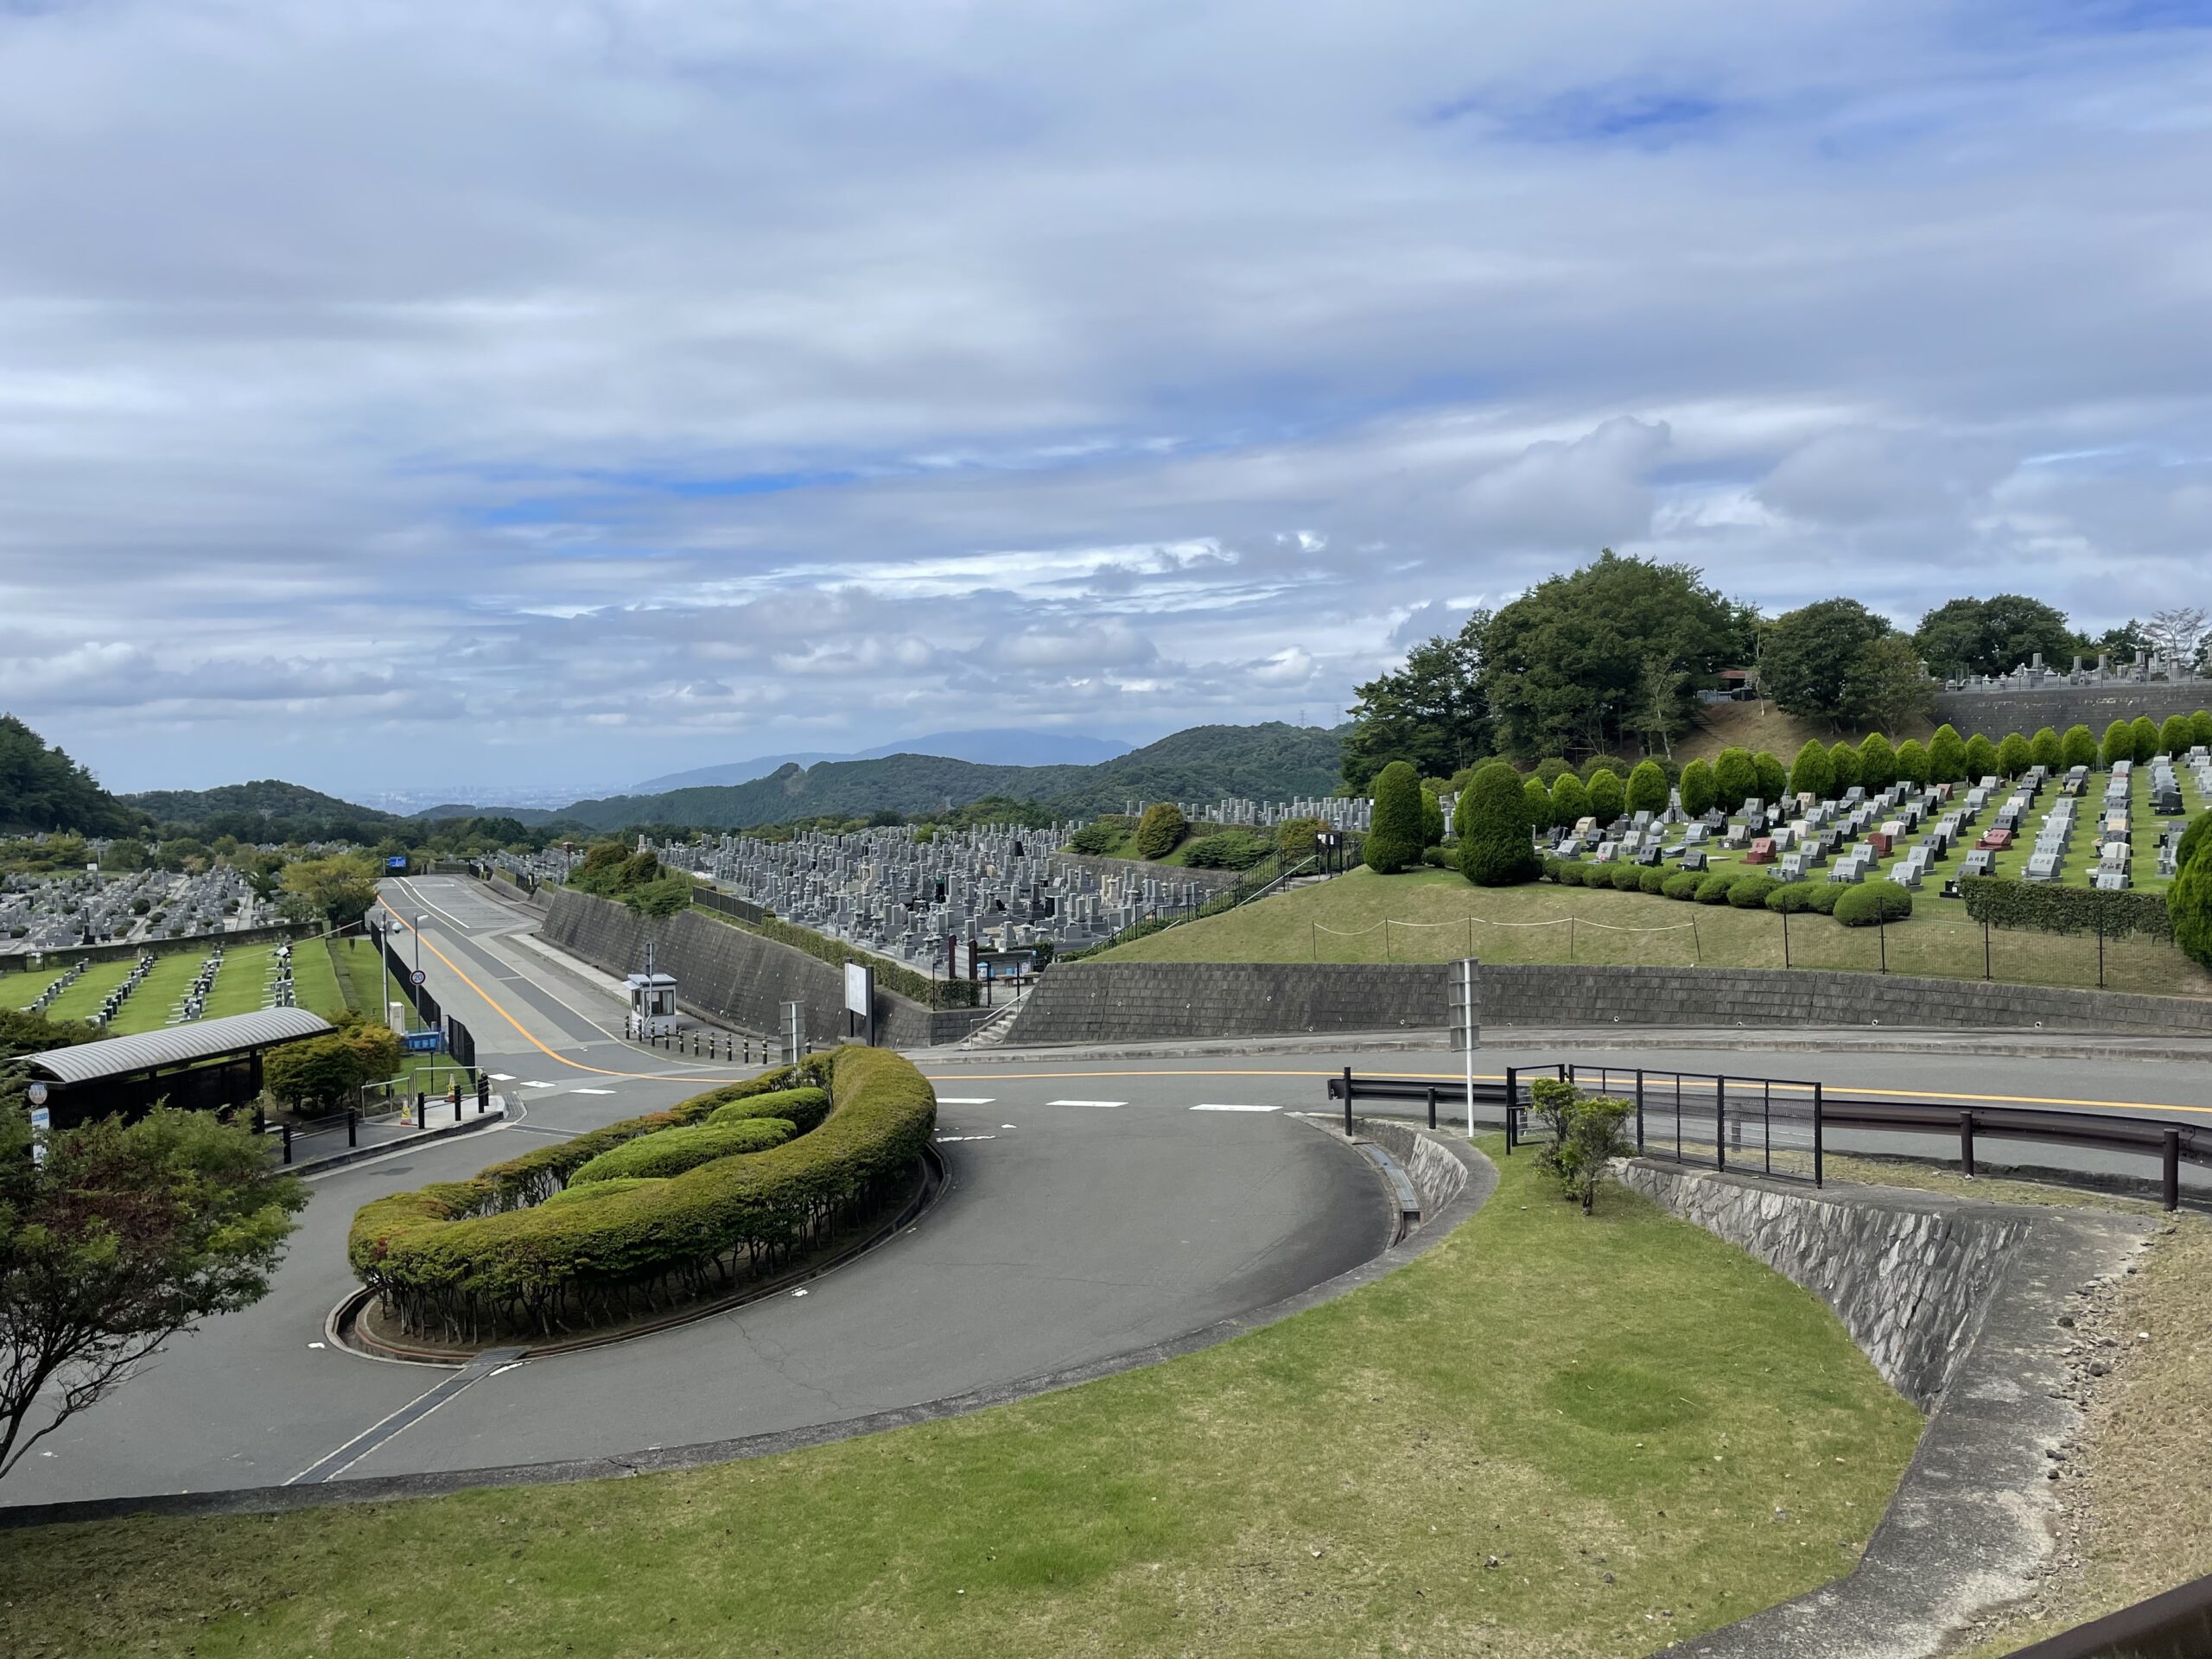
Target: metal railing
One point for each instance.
(1784, 1128)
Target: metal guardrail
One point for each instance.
(2176, 1624)
(1781, 1126)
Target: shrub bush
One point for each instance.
(2014, 756)
(574, 1195)
(465, 1259)
(1843, 760)
(1823, 897)
(1981, 759)
(2147, 738)
(671, 1152)
(1647, 788)
(2047, 749)
(1735, 777)
(2078, 748)
(1791, 898)
(1553, 866)
(2050, 908)
(2189, 902)
(1946, 755)
(1441, 858)
(1751, 891)
(1878, 762)
(1682, 884)
(1495, 850)
(1608, 796)
(1570, 801)
(1871, 902)
(2174, 735)
(1231, 849)
(2119, 744)
(2193, 840)
(1569, 873)
(1774, 782)
(2200, 728)
(1652, 878)
(804, 1107)
(1432, 816)
(1697, 789)
(1812, 773)
(1912, 761)
(1625, 878)
(1539, 799)
(1294, 837)
(1714, 889)
(1103, 837)
(1161, 830)
(1394, 842)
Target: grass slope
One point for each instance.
(1650, 1433)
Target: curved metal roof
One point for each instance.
(203, 1039)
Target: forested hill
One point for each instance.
(1267, 762)
(266, 810)
(42, 788)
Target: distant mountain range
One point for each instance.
(1267, 762)
(993, 747)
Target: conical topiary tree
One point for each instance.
(2014, 756)
(1432, 815)
(1774, 782)
(2189, 902)
(1698, 789)
(2078, 748)
(2119, 744)
(1608, 795)
(1812, 773)
(2147, 738)
(1647, 788)
(2045, 749)
(1495, 850)
(1539, 799)
(1946, 755)
(1878, 762)
(2174, 735)
(1912, 762)
(1570, 801)
(1394, 840)
(1843, 760)
(1735, 778)
(1981, 759)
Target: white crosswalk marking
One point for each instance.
(964, 1100)
(1086, 1102)
(591, 1091)
(500, 1076)
(1216, 1106)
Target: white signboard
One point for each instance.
(860, 989)
(41, 1121)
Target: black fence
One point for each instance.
(1784, 1128)
(715, 898)
(2174, 1625)
(454, 1038)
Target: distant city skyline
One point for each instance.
(670, 385)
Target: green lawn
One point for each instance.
(1435, 916)
(80, 1001)
(242, 986)
(1623, 1399)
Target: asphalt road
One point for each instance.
(1097, 1205)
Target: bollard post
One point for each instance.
(1512, 1104)
(1966, 1145)
(2170, 1172)
(287, 1129)
(422, 1118)
(456, 1102)
(483, 1093)
(1432, 1105)
(1719, 1122)
(1817, 1171)
(1639, 1101)
(1347, 1102)
(352, 1127)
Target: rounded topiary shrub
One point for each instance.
(1393, 839)
(1570, 801)
(1440, 858)
(1608, 795)
(2189, 901)
(1697, 788)
(1751, 891)
(1713, 890)
(1682, 884)
(1622, 878)
(1495, 850)
(1823, 897)
(1791, 897)
(1647, 788)
(1565, 873)
(1552, 867)
(1871, 902)
(1652, 878)
(1161, 830)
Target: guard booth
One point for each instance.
(652, 1004)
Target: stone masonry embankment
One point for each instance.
(725, 974)
(1134, 1002)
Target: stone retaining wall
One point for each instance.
(1437, 1174)
(1993, 714)
(1134, 1001)
(725, 974)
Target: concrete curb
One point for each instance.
(1481, 1181)
(490, 1119)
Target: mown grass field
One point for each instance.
(240, 987)
(1648, 1433)
(1436, 916)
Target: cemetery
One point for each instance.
(48, 912)
(155, 991)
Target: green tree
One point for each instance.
(1647, 789)
(1889, 686)
(2119, 744)
(1912, 761)
(1540, 800)
(1393, 841)
(2078, 748)
(1432, 817)
(1947, 756)
(2014, 756)
(1993, 636)
(2200, 728)
(1570, 801)
(1843, 761)
(1495, 848)
(1161, 830)
(338, 889)
(118, 1238)
(2147, 738)
(1878, 762)
(1809, 658)
(1428, 712)
(1569, 667)
(1735, 777)
(1981, 759)
(1773, 781)
(2174, 735)
(1698, 789)
(2046, 749)
(1812, 773)
(43, 789)
(1608, 796)
(2189, 902)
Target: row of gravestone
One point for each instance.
(112, 1004)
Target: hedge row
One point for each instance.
(2049, 908)
(470, 1259)
(1740, 889)
(892, 976)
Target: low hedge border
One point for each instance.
(472, 1259)
(2046, 908)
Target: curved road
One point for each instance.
(1097, 1205)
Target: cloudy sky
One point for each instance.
(542, 391)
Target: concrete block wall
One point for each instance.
(723, 973)
(1134, 1002)
(1993, 714)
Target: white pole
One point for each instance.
(1467, 978)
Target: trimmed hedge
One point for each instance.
(655, 1157)
(1714, 889)
(1682, 884)
(1825, 894)
(1652, 878)
(469, 1259)
(1871, 902)
(806, 1108)
(1627, 878)
(1394, 837)
(1791, 898)
(1751, 892)
(1495, 848)
(2047, 907)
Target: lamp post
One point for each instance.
(421, 922)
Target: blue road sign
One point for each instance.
(395, 863)
(420, 1042)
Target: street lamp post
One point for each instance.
(420, 923)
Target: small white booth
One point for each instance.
(652, 1004)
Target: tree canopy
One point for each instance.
(1428, 712)
(1809, 658)
(1993, 635)
(42, 788)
